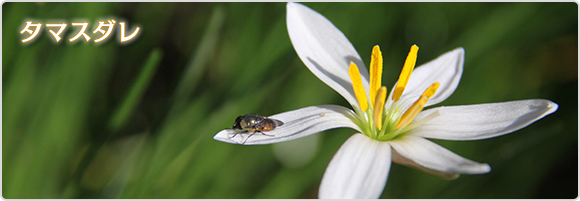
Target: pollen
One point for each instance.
(359, 90)
(376, 69)
(406, 73)
(417, 107)
(379, 105)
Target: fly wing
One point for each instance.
(277, 122)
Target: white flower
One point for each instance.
(390, 128)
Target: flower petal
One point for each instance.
(297, 123)
(358, 170)
(432, 156)
(445, 69)
(324, 50)
(474, 122)
(397, 158)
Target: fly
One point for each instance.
(255, 124)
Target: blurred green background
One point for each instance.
(136, 120)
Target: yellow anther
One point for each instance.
(379, 105)
(376, 73)
(417, 107)
(406, 73)
(359, 90)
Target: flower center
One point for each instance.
(380, 122)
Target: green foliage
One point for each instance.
(136, 120)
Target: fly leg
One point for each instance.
(233, 136)
(239, 133)
(255, 133)
(249, 137)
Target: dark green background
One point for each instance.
(136, 120)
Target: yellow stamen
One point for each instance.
(379, 105)
(406, 72)
(359, 90)
(410, 114)
(376, 73)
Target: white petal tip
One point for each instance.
(229, 136)
(547, 106)
(294, 5)
(482, 168)
(223, 136)
(473, 168)
(460, 53)
(485, 168)
(552, 107)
